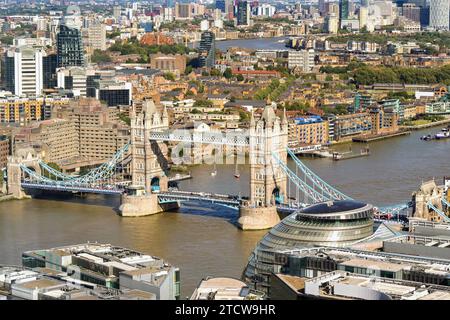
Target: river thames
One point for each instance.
(203, 240)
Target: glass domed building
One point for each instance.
(337, 223)
(334, 223)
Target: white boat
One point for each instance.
(236, 172)
(214, 172)
(444, 134)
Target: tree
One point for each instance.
(227, 73)
(215, 73)
(188, 69)
(240, 77)
(124, 118)
(99, 56)
(169, 76)
(203, 104)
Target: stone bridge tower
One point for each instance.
(148, 158)
(148, 163)
(268, 183)
(27, 157)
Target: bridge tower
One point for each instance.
(267, 137)
(27, 157)
(148, 162)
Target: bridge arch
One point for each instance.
(155, 184)
(277, 196)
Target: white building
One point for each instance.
(363, 16)
(265, 10)
(439, 14)
(204, 25)
(303, 59)
(332, 23)
(72, 78)
(28, 70)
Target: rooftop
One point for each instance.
(334, 206)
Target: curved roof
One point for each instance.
(333, 207)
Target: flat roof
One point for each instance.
(40, 283)
(294, 282)
(373, 264)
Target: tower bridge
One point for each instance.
(146, 156)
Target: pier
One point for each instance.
(370, 138)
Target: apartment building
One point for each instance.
(55, 139)
(4, 151)
(97, 36)
(168, 62)
(308, 130)
(15, 109)
(100, 134)
(302, 59)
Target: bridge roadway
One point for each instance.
(230, 201)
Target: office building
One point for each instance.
(207, 50)
(363, 16)
(322, 7)
(343, 11)
(395, 258)
(187, 11)
(48, 284)
(69, 45)
(439, 14)
(97, 36)
(265, 10)
(301, 59)
(50, 63)
(221, 5)
(112, 267)
(73, 79)
(117, 12)
(332, 23)
(113, 93)
(24, 72)
(224, 289)
(243, 15)
(340, 285)
(411, 11)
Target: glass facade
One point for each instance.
(50, 63)
(330, 224)
(207, 50)
(8, 77)
(70, 47)
(115, 97)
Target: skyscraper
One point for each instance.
(207, 50)
(243, 13)
(24, 70)
(343, 11)
(439, 14)
(69, 43)
(69, 47)
(222, 5)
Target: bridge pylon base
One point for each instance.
(259, 218)
(144, 205)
